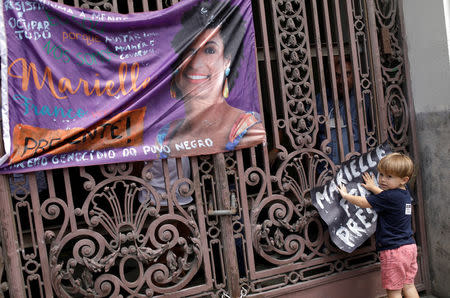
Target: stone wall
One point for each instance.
(428, 55)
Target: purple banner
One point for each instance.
(85, 87)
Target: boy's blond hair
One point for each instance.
(396, 164)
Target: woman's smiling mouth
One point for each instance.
(197, 77)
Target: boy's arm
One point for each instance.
(355, 200)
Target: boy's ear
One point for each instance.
(405, 180)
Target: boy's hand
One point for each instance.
(369, 183)
(355, 200)
(342, 190)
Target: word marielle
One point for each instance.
(64, 84)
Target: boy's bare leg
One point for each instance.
(410, 291)
(394, 293)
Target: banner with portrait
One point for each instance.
(84, 87)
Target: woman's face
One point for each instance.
(202, 73)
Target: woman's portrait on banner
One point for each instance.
(203, 78)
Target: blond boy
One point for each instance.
(394, 236)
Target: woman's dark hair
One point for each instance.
(210, 14)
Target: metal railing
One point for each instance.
(252, 229)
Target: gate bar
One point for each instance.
(10, 243)
(226, 223)
(378, 79)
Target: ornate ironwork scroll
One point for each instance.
(393, 74)
(290, 243)
(103, 5)
(366, 76)
(127, 244)
(295, 73)
(107, 236)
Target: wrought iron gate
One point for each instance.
(252, 230)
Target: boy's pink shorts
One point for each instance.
(398, 266)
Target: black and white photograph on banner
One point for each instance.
(349, 226)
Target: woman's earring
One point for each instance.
(173, 86)
(173, 92)
(226, 91)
